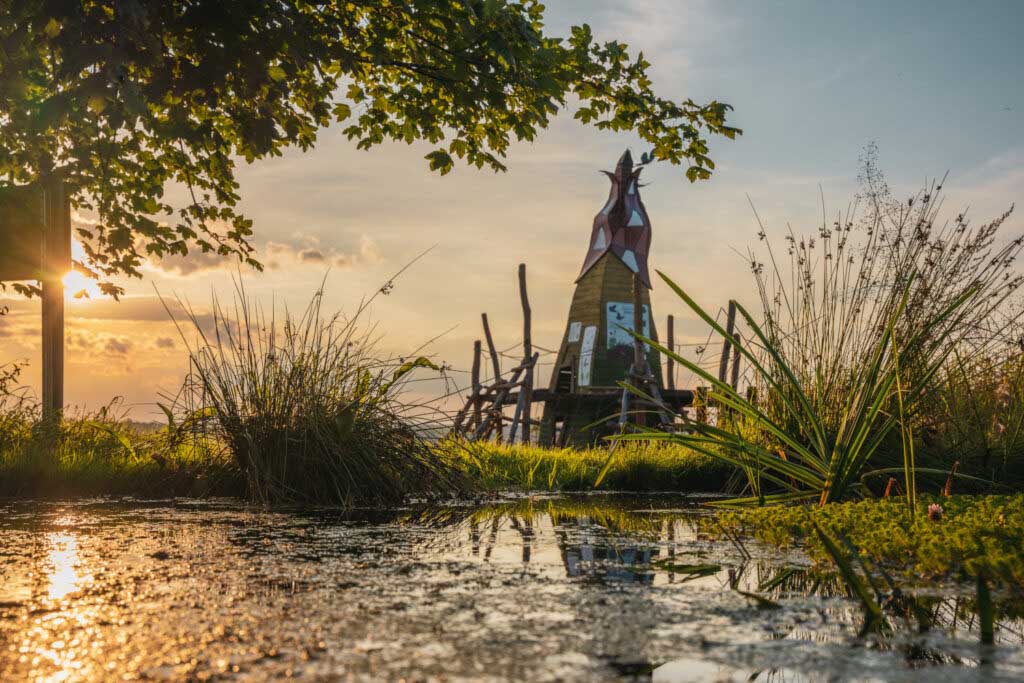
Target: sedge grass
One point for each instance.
(308, 410)
(852, 340)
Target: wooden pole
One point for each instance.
(490, 349)
(56, 261)
(522, 405)
(475, 381)
(670, 370)
(735, 379)
(527, 388)
(723, 364)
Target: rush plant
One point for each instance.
(307, 409)
(853, 337)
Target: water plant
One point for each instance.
(977, 535)
(307, 408)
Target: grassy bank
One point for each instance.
(90, 457)
(635, 467)
(962, 537)
(107, 459)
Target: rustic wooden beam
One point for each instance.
(475, 381)
(490, 348)
(524, 300)
(735, 378)
(670, 369)
(723, 364)
(495, 414)
(522, 414)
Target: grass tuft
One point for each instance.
(307, 410)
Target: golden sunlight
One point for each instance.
(63, 575)
(78, 285)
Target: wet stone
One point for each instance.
(599, 588)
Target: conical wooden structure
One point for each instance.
(597, 351)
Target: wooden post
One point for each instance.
(723, 365)
(527, 388)
(522, 404)
(670, 370)
(56, 261)
(490, 349)
(735, 379)
(475, 381)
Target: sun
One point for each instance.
(77, 286)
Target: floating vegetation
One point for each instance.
(976, 535)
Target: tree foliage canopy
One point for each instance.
(124, 98)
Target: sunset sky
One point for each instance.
(936, 84)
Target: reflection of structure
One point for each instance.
(594, 556)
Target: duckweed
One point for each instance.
(975, 534)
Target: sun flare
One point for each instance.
(78, 285)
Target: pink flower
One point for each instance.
(935, 512)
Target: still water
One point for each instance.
(594, 588)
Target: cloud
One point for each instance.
(95, 343)
(282, 255)
(119, 346)
(195, 261)
(274, 255)
(131, 308)
(164, 343)
(311, 256)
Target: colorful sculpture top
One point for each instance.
(622, 225)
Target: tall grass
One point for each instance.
(856, 329)
(103, 453)
(637, 467)
(974, 417)
(307, 409)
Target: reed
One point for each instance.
(307, 408)
(853, 337)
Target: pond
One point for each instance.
(584, 588)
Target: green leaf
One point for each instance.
(407, 367)
(96, 104)
(440, 160)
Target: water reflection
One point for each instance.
(585, 588)
(62, 565)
